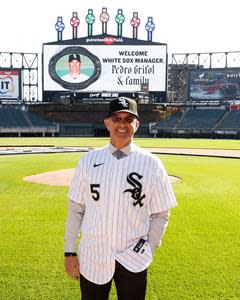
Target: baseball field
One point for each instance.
(199, 257)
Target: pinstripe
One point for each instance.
(102, 174)
(121, 211)
(112, 225)
(106, 211)
(130, 212)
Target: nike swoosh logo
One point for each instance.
(97, 165)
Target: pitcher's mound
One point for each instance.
(64, 177)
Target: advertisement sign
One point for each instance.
(214, 84)
(111, 68)
(9, 84)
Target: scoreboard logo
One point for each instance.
(6, 85)
(10, 83)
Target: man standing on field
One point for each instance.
(121, 198)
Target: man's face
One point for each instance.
(122, 127)
(74, 67)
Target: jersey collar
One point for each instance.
(126, 150)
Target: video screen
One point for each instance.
(99, 68)
(214, 84)
(74, 68)
(10, 84)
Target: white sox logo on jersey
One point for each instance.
(137, 188)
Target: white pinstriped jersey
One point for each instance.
(119, 197)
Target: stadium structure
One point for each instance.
(194, 95)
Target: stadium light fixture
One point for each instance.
(90, 19)
(74, 21)
(119, 20)
(135, 22)
(104, 17)
(59, 26)
(150, 26)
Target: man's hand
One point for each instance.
(72, 267)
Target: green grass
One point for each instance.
(143, 142)
(199, 258)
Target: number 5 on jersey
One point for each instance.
(95, 192)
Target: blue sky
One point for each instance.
(185, 25)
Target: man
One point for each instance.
(120, 196)
(74, 76)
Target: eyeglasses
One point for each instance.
(116, 118)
